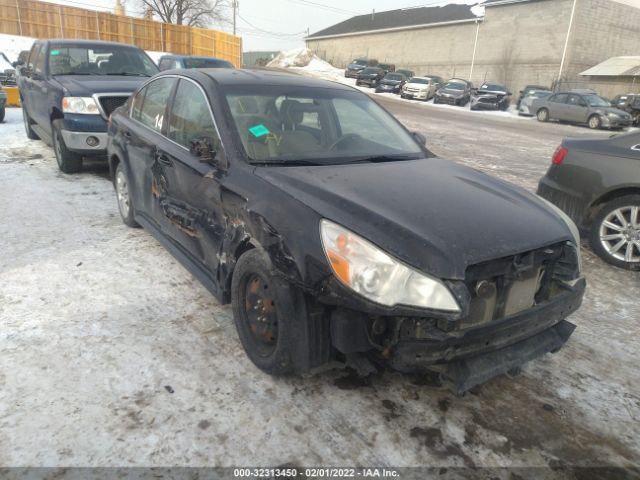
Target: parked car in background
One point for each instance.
(523, 93)
(581, 108)
(524, 107)
(406, 73)
(7, 71)
(387, 67)
(438, 268)
(68, 89)
(597, 183)
(3, 104)
(490, 96)
(434, 78)
(455, 92)
(420, 88)
(391, 83)
(179, 62)
(370, 76)
(355, 67)
(631, 104)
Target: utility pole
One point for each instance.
(566, 41)
(235, 5)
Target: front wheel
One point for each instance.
(68, 161)
(594, 122)
(123, 195)
(2, 113)
(615, 233)
(272, 318)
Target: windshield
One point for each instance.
(360, 62)
(206, 63)
(370, 70)
(394, 76)
(493, 87)
(100, 60)
(596, 101)
(538, 93)
(423, 81)
(454, 86)
(321, 126)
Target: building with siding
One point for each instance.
(517, 42)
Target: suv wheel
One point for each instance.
(68, 161)
(615, 233)
(543, 115)
(123, 194)
(594, 122)
(271, 317)
(2, 113)
(31, 135)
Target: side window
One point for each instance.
(577, 101)
(38, 65)
(190, 116)
(154, 106)
(35, 51)
(165, 64)
(559, 98)
(136, 108)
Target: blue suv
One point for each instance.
(69, 88)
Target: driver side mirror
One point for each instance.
(420, 138)
(206, 149)
(17, 64)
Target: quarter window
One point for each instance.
(156, 98)
(190, 115)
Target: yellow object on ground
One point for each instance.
(13, 96)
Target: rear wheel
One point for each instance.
(594, 122)
(31, 135)
(271, 317)
(543, 115)
(68, 161)
(615, 233)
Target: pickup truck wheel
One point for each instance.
(68, 161)
(615, 232)
(2, 113)
(31, 135)
(123, 195)
(270, 316)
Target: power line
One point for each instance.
(280, 34)
(310, 3)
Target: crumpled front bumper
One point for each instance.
(616, 122)
(468, 358)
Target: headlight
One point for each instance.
(612, 115)
(372, 273)
(83, 105)
(572, 227)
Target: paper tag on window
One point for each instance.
(259, 131)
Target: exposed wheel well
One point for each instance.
(114, 160)
(597, 205)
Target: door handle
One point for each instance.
(126, 134)
(164, 159)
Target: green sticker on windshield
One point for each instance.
(55, 52)
(259, 131)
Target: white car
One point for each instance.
(420, 88)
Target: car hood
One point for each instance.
(435, 215)
(617, 111)
(87, 85)
(355, 66)
(390, 82)
(449, 91)
(491, 94)
(417, 86)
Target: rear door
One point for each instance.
(192, 203)
(144, 138)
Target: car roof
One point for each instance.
(72, 41)
(223, 76)
(197, 57)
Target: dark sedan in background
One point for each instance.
(490, 96)
(370, 76)
(455, 92)
(261, 185)
(391, 83)
(355, 67)
(581, 108)
(597, 183)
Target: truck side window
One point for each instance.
(35, 51)
(38, 66)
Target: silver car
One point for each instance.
(528, 97)
(583, 108)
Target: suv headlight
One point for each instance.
(372, 273)
(82, 105)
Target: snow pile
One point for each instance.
(12, 45)
(298, 57)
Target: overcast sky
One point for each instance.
(281, 24)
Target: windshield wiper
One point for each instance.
(74, 73)
(384, 158)
(286, 162)
(129, 74)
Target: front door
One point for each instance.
(576, 109)
(192, 204)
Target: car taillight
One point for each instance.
(559, 155)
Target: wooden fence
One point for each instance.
(34, 18)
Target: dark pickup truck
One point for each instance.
(68, 89)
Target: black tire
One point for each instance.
(594, 235)
(594, 122)
(292, 339)
(435, 100)
(2, 114)
(31, 135)
(68, 161)
(542, 115)
(122, 186)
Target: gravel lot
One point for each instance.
(114, 355)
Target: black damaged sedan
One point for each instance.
(336, 235)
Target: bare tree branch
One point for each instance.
(196, 13)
